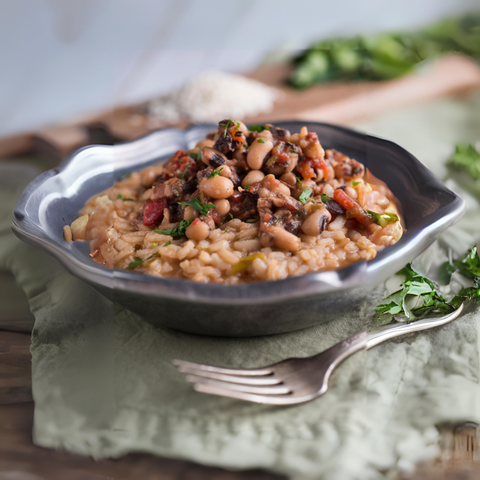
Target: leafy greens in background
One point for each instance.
(419, 296)
(385, 56)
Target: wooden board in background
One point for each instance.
(340, 103)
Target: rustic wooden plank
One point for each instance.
(15, 368)
(18, 454)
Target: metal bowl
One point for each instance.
(56, 197)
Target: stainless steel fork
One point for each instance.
(295, 380)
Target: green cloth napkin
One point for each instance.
(104, 385)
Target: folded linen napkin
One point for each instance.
(104, 385)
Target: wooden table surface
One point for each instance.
(20, 459)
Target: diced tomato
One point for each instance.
(344, 200)
(196, 221)
(153, 212)
(321, 164)
(305, 169)
(354, 210)
(214, 216)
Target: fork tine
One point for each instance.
(260, 380)
(251, 397)
(266, 390)
(227, 371)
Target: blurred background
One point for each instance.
(65, 58)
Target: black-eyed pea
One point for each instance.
(217, 187)
(258, 150)
(212, 157)
(289, 178)
(189, 213)
(149, 176)
(197, 230)
(225, 171)
(243, 128)
(351, 192)
(283, 239)
(222, 206)
(253, 176)
(315, 223)
(204, 143)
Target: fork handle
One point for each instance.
(399, 329)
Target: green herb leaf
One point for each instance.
(138, 261)
(470, 265)
(355, 183)
(178, 231)
(466, 158)
(167, 244)
(200, 207)
(215, 173)
(325, 197)
(251, 221)
(231, 216)
(242, 265)
(417, 299)
(305, 195)
(155, 244)
(196, 156)
(121, 197)
(185, 171)
(383, 219)
(261, 140)
(247, 187)
(445, 273)
(226, 127)
(299, 180)
(258, 128)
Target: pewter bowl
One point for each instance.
(262, 308)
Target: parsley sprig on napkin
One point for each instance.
(420, 297)
(466, 158)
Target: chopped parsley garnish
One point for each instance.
(469, 267)
(466, 158)
(138, 261)
(325, 197)
(167, 244)
(383, 219)
(178, 231)
(305, 195)
(200, 207)
(121, 197)
(261, 140)
(417, 299)
(215, 173)
(248, 186)
(258, 128)
(299, 180)
(185, 171)
(226, 126)
(251, 221)
(196, 156)
(231, 216)
(355, 183)
(155, 244)
(419, 296)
